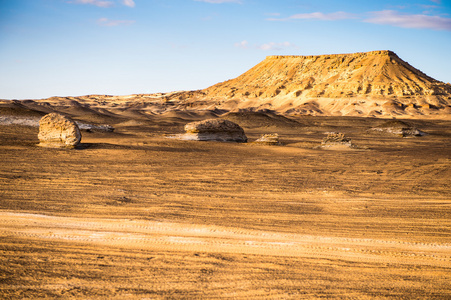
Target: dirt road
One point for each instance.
(164, 236)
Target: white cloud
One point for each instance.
(266, 47)
(99, 3)
(394, 18)
(385, 17)
(220, 1)
(108, 22)
(129, 3)
(339, 15)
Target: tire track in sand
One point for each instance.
(167, 236)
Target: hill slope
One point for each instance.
(371, 84)
(286, 83)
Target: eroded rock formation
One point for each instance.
(268, 139)
(58, 131)
(398, 128)
(336, 140)
(215, 130)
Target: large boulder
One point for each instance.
(215, 130)
(58, 131)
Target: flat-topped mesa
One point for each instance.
(356, 54)
(375, 73)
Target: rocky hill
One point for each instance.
(371, 84)
(376, 83)
(377, 73)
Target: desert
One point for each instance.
(335, 184)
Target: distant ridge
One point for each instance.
(365, 84)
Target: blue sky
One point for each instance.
(118, 47)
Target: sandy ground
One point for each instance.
(132, 214)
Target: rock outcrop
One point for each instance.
(268, 139)
(397, 128)
(336, 140)
(58, 131)
(215, 130)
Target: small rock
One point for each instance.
(398, 128)
(92, 127)
(336, 139)
(58, 131)
(269, 139)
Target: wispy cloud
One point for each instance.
(129, 3)
(266, 47)
(108, 22)
(385, 17)
(220, 1)
(430, 7)
(243, 44)
(103, 3)
(394, 18)
(339, 15)
(99, 3)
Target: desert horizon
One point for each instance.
(287, 182)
